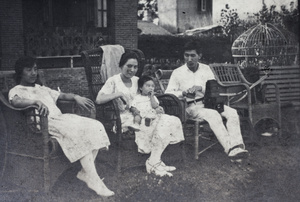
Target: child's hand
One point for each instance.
(160, 110)
(134, 111)
(151, 93)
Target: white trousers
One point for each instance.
(229, 135)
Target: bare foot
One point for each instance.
(95, 183)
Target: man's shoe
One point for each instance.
(238, 153)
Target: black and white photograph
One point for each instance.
(149, 101)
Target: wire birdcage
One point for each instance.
(265, 44)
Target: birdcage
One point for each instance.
(265, 44)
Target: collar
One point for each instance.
(187, 69)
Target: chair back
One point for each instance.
(162, 77)
(228, 73)
(3, 84)
(92, 60)
(171, 104)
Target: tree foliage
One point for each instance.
(230, 20)
(287, 18)
(147, 5)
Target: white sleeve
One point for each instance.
(173, 85)
(108, 87)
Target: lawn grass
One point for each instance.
(271, 173)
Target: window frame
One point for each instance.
(101, 9)
(204, 6)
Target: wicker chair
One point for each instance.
(174, 106)
(243, 95)
(108, 114)
(31, 158)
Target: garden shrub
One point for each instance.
(167, 50)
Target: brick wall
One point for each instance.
(67, 79)
(124, 25)
(11, 22)
(123, 30)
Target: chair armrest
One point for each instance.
(235, 97)
(109, 115)
(35, 123)
(173, 105)
(70, 106)
(66, 106)
(7, 104)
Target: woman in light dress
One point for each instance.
(123, 87)
(79, 137)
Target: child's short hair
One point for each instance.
(143, 79)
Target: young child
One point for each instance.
(157, 130)
(145, 105)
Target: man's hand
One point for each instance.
(192, 90)
(84, 103)
(198, 88)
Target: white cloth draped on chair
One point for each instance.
(110, 60)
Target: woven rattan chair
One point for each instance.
(31, 158)
(174, 106)
(108, 114)
(243, 95)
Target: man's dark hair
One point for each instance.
(192, 45)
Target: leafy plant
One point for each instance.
(287, 18)
(230, 20)
(147, 6)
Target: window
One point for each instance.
(204, 5)
(66, 13)
(101, 13)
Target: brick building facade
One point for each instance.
(11, 32)
(16, 16)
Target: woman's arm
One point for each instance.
(104, 98)
(16, 101)
(22, 102)
(82, 102)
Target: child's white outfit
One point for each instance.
(163, 128)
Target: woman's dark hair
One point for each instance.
(192, 45)
(142, 80)
(21, 64)
(126, 56)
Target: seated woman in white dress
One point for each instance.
(159, 135)
(79, 137)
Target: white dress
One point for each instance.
(163, 128)
(76, 135)
(115, 84)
